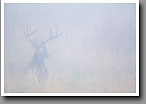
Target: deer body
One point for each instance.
(37, 64)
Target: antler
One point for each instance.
(27, 35)
(58, 34)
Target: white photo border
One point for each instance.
(69, 94)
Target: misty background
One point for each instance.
(95, 53)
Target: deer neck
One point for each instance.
(37, 60)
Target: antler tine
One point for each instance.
(27, 35)
(57, 33)
(49, 37)
(53, 37)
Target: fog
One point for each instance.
(96, 51)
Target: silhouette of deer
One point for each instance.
(37, 65)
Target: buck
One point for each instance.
(37, 65)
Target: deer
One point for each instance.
(37, 64)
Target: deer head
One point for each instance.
(40, 50)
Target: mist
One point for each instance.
(96, 51)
